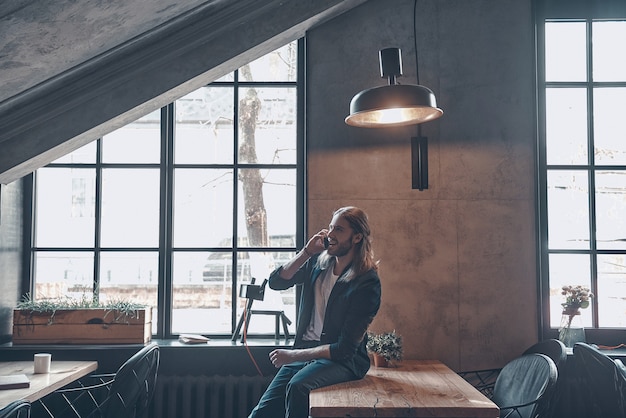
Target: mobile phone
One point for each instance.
(326, 242)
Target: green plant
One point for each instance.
(386, 344)
(119, 308)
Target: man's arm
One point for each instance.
(280, 357)
(315, 245)
(291, 267)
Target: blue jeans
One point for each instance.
(288, 393)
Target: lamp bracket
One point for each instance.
(419, 162)
(390, 64)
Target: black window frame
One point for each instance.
(166, 167)
(583, 11)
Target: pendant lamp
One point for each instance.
(394, 104)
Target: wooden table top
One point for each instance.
(415, 388)
(61, 374)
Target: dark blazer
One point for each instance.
(351, 307)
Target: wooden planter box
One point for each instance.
(82, 326)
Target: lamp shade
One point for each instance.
(393, 105)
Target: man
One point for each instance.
(340, 297)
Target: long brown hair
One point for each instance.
(363, 254)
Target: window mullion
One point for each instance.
(593, 262)
(165, 288)
(235, 242)
(98, 222)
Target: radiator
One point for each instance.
(207, 396)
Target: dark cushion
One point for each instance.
(601, 383)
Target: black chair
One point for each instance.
(484, 380)
(552, 348)
(620, 384)
(16, 409)
(524, 386)
(601, 382)
(124, 394)
(556, 350)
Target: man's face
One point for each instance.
(341, 237)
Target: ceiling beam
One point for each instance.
(121, 85)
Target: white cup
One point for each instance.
(42, 362)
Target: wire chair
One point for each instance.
(123, 394)
(525, 386)
(485, 380)
(16, 409)
(552, 348)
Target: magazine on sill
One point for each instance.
(193, 339)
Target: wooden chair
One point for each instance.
(16, 409)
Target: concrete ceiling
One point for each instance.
(73, 71)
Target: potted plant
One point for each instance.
(80, 321)
(385, 347)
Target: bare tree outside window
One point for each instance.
(256, 217)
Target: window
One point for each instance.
(582, 156)
(179, 208)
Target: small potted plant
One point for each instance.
(385, 347)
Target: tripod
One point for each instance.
(254, 292)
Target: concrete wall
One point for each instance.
(458, 261)
(11, 221)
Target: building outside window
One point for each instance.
(582, 160)
(180, 208)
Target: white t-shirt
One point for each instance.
(323, 286)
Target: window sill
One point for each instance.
(163, 343)
(218, 356)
